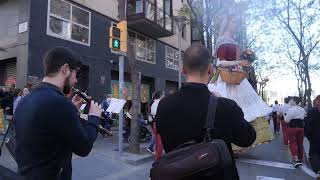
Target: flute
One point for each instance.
(103, 115)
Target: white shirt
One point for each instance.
(16, 102)
(276, 108)
(154, 107)
(295, 112)
(284, 109)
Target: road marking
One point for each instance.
(266, 163)
(308, 171)
(277, 165)
(268, 178)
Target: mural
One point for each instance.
(127, 91)
(2, 123)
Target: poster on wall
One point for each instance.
(2, 123)
(127, 91)
(34, 81)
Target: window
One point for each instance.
(184, 31)
(172, 58)
(135, 7)
(68, 21)
(145, 47)
(159, 12)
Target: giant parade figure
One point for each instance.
(231, 82)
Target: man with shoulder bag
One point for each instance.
(199, 147)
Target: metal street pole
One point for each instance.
(180, 64)
(122, 16)
(180, 22)
(121, 86)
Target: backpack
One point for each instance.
(210, 158)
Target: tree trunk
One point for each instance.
(134, 144)
(209, 42)
(308, 88)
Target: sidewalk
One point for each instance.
(102, 162)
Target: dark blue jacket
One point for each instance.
(48, 131)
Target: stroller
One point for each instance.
(144, 134)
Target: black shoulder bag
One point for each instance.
(210, 158)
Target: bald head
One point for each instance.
(196, 59)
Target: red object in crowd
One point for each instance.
(285, 127)
(296, 136)
(159, 147)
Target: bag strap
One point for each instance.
(211, 115)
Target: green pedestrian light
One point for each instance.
(115, 43)
(114, 38)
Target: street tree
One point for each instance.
(207, 16)
(296, 24)
(134, 144)
(299, 20)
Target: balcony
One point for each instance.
(150, 17)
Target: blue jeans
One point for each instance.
(152, 143)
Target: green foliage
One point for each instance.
(185, 11)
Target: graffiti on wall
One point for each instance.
(127, 91)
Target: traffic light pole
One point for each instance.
(122, 6)
(121, 85)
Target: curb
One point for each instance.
(139, 161)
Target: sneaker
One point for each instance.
(150, 151)
(318, 176)
(297, 163)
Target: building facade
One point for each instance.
(30, 27)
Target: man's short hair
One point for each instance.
(57, 57)
(197, 58)
(296, 99)
(286, 100)
(157, 95)
(276, 102)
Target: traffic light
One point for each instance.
(118, 37)
(114, 39)
(123, 35)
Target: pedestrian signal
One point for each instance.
(118, 37)
(114, 39)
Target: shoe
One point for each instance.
(318, 176)
(297, 163)
(150, 151)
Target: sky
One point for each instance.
(266, 46)
(286, 85)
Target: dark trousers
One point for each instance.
(315, 162)
(296, 136)
(276, 123)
